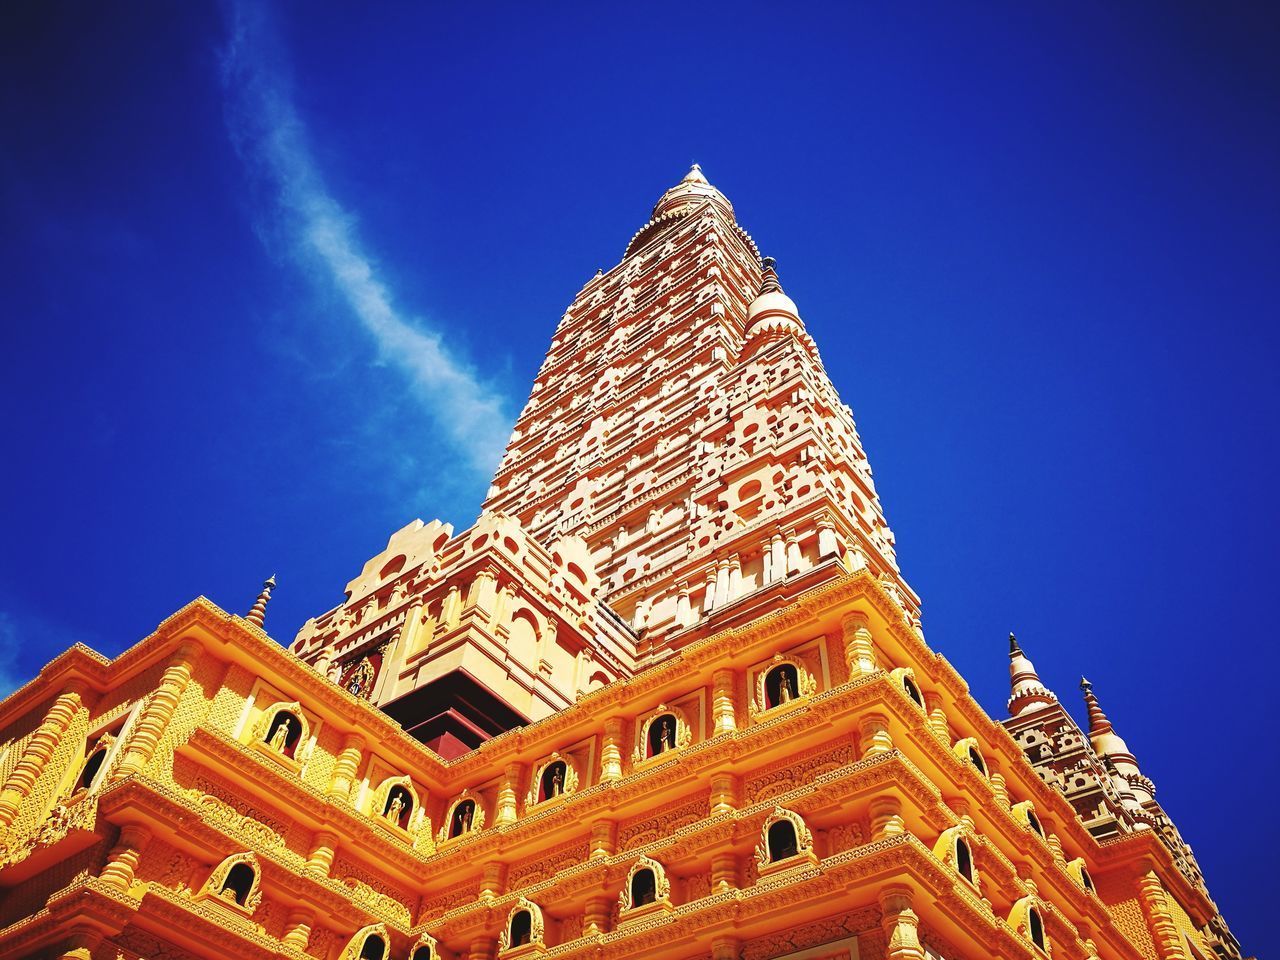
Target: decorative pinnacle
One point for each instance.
(769, 279)
(1098, 722)
(1014, 649)
(258, 613)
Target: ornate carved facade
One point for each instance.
(668, 697)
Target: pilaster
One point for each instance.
(159, 711)
(39, 750)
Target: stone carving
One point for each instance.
(518, 933)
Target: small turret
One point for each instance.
(1114, 752)
(1028, 693)
(772, 311)
(258, 612)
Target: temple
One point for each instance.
(669, 696)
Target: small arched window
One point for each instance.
(964, 859)
(92, 767)
(424, 953)
(374, 948)
(398, 807)
(783, 842)
(551, 783)
(644, 888)
(521, 928)
(1036, 927)
(1034, 823)
(1086, 880)
(464, 815)
(238, 883)
(781, 685)
(976, 759)
(913, 691)
(284, 732)
(662, 734)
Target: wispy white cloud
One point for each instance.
(271, 139)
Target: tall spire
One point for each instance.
(258, 612)
(1028, 693)
(1136, 790)
(1098, 722)
(769, 277)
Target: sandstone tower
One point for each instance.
(668, 697)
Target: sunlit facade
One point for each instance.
(668, 697)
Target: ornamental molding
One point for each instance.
(766, 861)
(537, 930)
(215, 889)
(469, 829)
(355, 946)
(568, 784)
(807, 686)
(678, 739)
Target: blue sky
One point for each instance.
(277, 279)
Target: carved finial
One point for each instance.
(769, 278)
(258, 613)
(1098, 722)
(1028, 692)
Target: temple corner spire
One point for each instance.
(1027, 692)
(258, 612)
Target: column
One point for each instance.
(886, 817)
(722, 583)
(506, 806)
(826, 539)
(297, 931)
(684, 610)
(724, 793)
(597, 918)
(709, 601)
(724, 872)
(1159, 920)
(483, 593)
(482, 948)
(735, 577)
(723, 709)
(611, 750)
(937, 717)
(159, 711)
(451, 608)
(1055, 847)
(344, 768)
(123, 859)
(411, 632)
(324, 846)
(875, 735)
(80, 945)
(778, 556)
(604, 839)
(999, 789)
(859, 650)
(793, 554)
(40, 749)
(724, 948)
(900, 924)
(493, 880)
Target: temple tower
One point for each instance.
(683, 460)
(683, 426)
